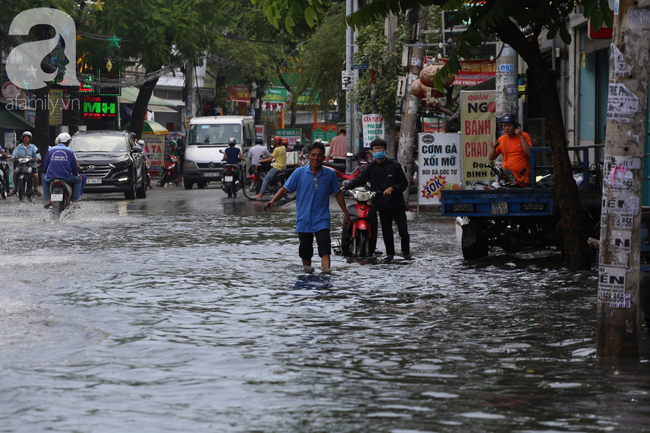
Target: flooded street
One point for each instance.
(188, 312)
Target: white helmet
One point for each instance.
(63, 137)
(297, 141)
(141, 143)
(26, 133)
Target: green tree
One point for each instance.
(519, 24)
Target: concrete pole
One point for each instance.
(506, 84)
(408, 138)
(620, 238)
(349, 53)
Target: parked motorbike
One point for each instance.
(230, 183)
(169, 172)
(253, 184)
(360, 238)
(25, 187)
(60, 194)
(340, 169)
(4, 182)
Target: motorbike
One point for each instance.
(360, 238)
(230, 183)
(169, 173)
(340, 169)
(25, 187)
(60, 194)
(253, 184)
(4, 182)
(147, 181)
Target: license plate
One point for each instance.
(211, 175)
(57, 197)
(499, 208)
(228, 178)
(89, 180)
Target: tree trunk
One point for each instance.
(574, 225)
(140, 107)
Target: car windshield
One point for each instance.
(213, 134)
(99, 143)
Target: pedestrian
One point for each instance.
(386, 175)
(338, 147)
(280, 156)
(515, 146)
(313, 185)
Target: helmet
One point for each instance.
(298, 141)
(172, 143)
(26, 133)
(63, 137)
(141, 143)
(277, 139)
(317, 140)
(232, 141)
(259, 140)
(509, 118)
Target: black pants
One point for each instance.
(387, 216)
(306, 249)
(6, 173)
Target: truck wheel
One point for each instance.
(474, 242)
(201, 185)
(188, 183)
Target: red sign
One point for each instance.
(604, 32)
(474, 72)
(238, 94)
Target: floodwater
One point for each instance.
(187, 312)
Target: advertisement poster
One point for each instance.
(323, 131)
(477, 135)
(154, 147)
(474, 72)
(259, 131)
(373, 127)
(56, 107)
(290, 134)
(439, 166)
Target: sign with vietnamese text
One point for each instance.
(56, 106)
(323, 131)
(373, 127)
(438, 165)
(154, 146)
(290, 134)
(477, 134)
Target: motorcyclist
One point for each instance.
(143, 145)
(27, 149)
(61, 162)
(257, 152)
(280, 156)
(232, 156)
(5, 169)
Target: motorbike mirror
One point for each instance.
(349, 154)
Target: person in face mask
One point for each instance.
(386, 175)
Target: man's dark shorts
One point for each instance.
(306, 250)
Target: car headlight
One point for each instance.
(190, 164)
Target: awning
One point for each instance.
(11, 120)
(161, 109)
(130, 94)
(150, 127)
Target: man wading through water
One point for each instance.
(314, 185)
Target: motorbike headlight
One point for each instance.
(190, 164)
(23, 159)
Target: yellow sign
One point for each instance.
(477, 134)
(55, 107)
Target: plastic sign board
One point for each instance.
(478, 121)
(290, 134)
(373, 127)
(99, 107)
(439, 166)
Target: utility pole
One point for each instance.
(620, 229)
(506, 83)
(408, 138)
(351, 121)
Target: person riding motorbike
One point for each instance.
(256, 153)
(27, 149)
(5, 169)
(280, 156)
(232, 156)
(61, 162)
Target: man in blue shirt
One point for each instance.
(314, 185)
(61, 162)
(27, 149)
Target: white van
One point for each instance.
(207, 138)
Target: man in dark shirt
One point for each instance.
(386, 175)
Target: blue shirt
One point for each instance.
(312, 203)
(59, 162)
(31, 151)
(232, 155)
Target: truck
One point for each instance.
(518, 218)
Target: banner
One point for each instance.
(474, 72)
(290, 134)
(434, 124)
(373, 127)
(438, 166)
(238, 94)
(259, 131)
(154, 147)
(323, 131)
(477, 129)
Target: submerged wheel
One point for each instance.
(57, 208)
(474, 242)
(359, 244)
(251, 189)
(22, 189)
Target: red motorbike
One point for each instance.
(360, 238)
(170, 173)
(340, 169)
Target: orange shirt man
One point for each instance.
(514, 145)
